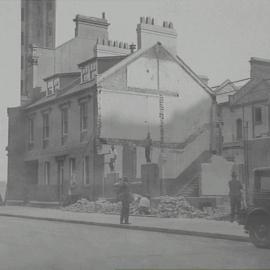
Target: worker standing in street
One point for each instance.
(235, 196)
(125, 198)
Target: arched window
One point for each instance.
(239, 129)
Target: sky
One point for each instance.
(216, 38)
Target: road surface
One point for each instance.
(33, 245)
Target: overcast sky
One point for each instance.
(215, 37)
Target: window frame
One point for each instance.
(72, 167)
(30, 132)
(64, 124)
(45, 128)
(47, 172)
(239, 130)
(256, 111)
(86, 171)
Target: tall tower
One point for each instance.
(38, 24)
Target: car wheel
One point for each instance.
(259, 232)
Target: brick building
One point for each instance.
(91, 93)
(245, 116)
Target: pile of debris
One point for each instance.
(100, 206)
(168, 207)
(82, 205)
(107, 207)
(173, 207)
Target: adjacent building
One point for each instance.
(244, 117)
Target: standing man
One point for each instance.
(235, 196)
(125, 198)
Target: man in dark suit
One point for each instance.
(235, 196)
(125, 198)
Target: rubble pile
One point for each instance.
(168, 207)
(82, 205)
(173, 207)
(104, 206)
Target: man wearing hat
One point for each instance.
(125, 198)
(235, 195)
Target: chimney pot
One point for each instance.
(153, 21)
(171, 25)
(120, 44)
(103, 15)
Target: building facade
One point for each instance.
(90, 94)
(245, 118)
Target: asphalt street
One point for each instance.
(34, 245)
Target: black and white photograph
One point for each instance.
(135, 134)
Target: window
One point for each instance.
(50, 88)
(239, 129)
(83, 116)
(56, 84)
(64, 125)
(258, 116)
(22, 38)
(45, 129)
(86, 171)
(30, 133)
(92, 71)
(72, 167)
(85, 74)
(46, 173)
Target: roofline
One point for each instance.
(66, 74)
(138, 53)
(260, 60)
(86, 87)
(102, 57)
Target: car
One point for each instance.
(256, 217)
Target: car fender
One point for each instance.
(258, 211)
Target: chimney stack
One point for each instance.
(259, 68)
(148, 33)
(91, 27)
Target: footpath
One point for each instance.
(183, 226)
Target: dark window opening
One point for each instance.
(64, 124)
(239, 129)
(46, 130)
(83, 116)
(258, 116)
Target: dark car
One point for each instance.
(256, 218)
